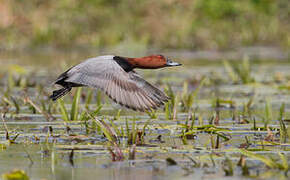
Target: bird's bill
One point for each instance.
(171, 63)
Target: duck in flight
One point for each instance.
(115, 76)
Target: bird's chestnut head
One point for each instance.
(152, 62)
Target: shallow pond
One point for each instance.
(223, 123)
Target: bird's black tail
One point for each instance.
(59, 93)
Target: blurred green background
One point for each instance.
(156, 24)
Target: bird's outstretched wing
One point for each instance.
(125, 88)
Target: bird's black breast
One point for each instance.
(123, 63)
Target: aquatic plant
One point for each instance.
(74, 114)
(188, 98)
(11, 101)
(74, 111)
(89, 98)
(16, 77)
(48, 116)
(172, 105)
(210, 129)
(63, 110)
(242, 163)
(8, 136)
(283, 129)
(269, 162)
(240, 72)
(152, 114)
(228, 167)
(268, 113)
(15, 175)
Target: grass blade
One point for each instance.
(89, 98)
(283, 129)
(284, 159)
(231, 72)
(269, 162)
(75, 105)
(63, 110)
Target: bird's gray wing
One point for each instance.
(127, 89)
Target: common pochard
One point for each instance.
(115, 76)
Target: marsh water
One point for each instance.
(221, 111)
